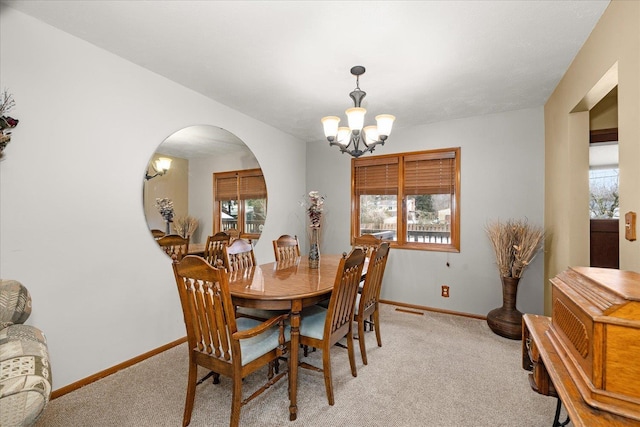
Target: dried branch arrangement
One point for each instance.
(185, 225)
(515, 243)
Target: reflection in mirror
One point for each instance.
(180, 198)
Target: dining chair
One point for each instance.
(286, 247)
(323, 327)
(174, 245)
(367, 301)
(218, 341)
(157, 233)
(367, 242)
(234, 233)
(213, 249)
(238, 255)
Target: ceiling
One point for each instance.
(286, 63)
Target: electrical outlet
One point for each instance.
(445, 291)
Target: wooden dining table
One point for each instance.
(286, 285)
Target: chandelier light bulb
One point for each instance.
(330, 125)
(355, 116)
(344, 135)
(370, 134)
(385, 123)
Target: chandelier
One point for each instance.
(355, 139)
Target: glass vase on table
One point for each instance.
(314, 247)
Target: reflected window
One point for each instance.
(240, 202)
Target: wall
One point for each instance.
(614, 45)
(72, 229)
(502, 177)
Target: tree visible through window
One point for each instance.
(411, 199)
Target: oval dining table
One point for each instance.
(286, 285)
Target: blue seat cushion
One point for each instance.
(312, 322)
(254, 347)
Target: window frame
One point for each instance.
(217, 209)
(401, 198)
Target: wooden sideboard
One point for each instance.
(587, 353)
(550, 377)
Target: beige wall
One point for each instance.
(605, 114)
(610, 56)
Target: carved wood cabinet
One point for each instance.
(588, 352)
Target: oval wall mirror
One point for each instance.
(178, 188)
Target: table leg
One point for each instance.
(296, 308)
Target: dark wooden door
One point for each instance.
(605, 246)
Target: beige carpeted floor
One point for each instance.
(432, 370)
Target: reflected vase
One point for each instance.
(314, 248)
(506, 321)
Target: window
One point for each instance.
(411, 199)
(604, 199)
(240, 202)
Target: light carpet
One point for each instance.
(432, 370)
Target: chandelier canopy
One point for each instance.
(355, 139)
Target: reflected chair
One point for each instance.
(238, 255)
(367, 302)
(174, 245)
(234, 233)
(157, 233)
(323, 327)
(367, 242)
(286, 247)
(217, 340)
(213, 249)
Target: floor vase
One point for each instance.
(506, 321)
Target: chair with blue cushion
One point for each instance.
(368, 242)
(367, 301)
(217, 340)
(286, 247)
(213, 249)
(238, 255)
(174, 245)
(323, 327)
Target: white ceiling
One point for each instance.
(287, 63)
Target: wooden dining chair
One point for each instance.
(323, 327)
(238, 255)
(286, 247)
(218, 341)
(213, 249)
(174, 245)
(234, 233)
(367, 242)
(367, 301)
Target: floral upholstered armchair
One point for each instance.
(25, 373)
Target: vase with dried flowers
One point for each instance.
(515, 244)
(185, 225)
(6, 122)
(314, 210)
(165, 207)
